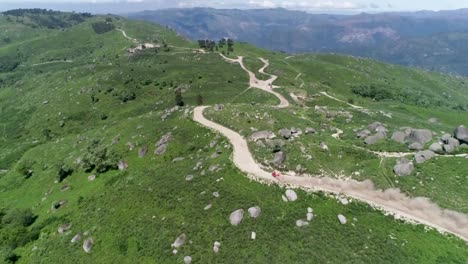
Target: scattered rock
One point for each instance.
(180, 159)
(161, 145)
(433, 120)
(187, 259)
(310, 130)
(253, 235)
(323, 146)
(130, 146)
(291, 195)
(142, 151)
(285, 199)
(344, 201)
(423, 156)
(218, 107)
(180, 240)
(262, 135)
(301, 223)
(91, 177)
(254, 212)
(216, 194)
(58, 205)
(403, 167)
(285, 133)
(216, 246)
(310, 210)
(76, 238)
(64, 188)
(461, 133)
(88, 244)
(416, 146)
(123, 165)
(63, 228)
(189, 177)
(342, 219)
(310, 216)
(279, 158)
(207, 207)
(236, 217)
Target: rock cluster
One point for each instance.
(161, 145)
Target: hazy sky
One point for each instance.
(336, 6)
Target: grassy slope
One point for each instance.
(442, 179)
(118, 207)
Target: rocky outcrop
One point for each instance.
(422, 136)
(262, 135)
(279, 158)
(461, 133)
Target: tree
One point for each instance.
(179, 100)
(199, 100)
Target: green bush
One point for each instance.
(19, 217)
(99, 158)
(102, 27)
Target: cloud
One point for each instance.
(263, 4)
(374, 6)
(305, 5)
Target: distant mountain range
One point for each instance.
(432, 40)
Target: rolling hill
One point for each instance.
(430, 40)
(102, 162)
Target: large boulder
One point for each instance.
(422, 136)
(142, 152)
(416, 146)
(262, 135)
(285, 133)
(461, 133)
(254, 212)
(373, 127)
(279, 158)
(236, 217)
(423, 156)
(375, 138)
(399, 136)
(437, 148)
(403, 167)
(291, 195)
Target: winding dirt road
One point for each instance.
(254, 82)
(417, 210)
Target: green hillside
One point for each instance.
(74, 103)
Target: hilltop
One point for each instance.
(99, 151)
